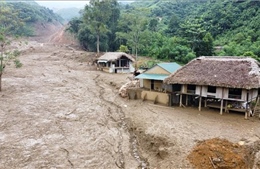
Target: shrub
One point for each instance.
(17, 63)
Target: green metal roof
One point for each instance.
(151, 76)
(170, 67)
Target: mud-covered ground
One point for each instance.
(57, 111)
(53, 115)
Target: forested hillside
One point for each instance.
(233, 25)
(171, 30)
(68, 13)
(19, 18)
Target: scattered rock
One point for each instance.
(241, 143)
(162, 152)
(131, 84)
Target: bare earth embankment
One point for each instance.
(57, 111)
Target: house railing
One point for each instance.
(234, 96)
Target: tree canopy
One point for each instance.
(175, 30)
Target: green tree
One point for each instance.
(10, 23)
(136, 26)
(251, 54)
(231, 49)
(123, 48)
(112, 25)
(74, 25)
(194, 32)
(207, 45)
(96, 16)
(86, 38)
(173, 25)
(153, 24)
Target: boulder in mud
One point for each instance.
(132, 84)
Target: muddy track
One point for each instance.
(117, 115)
(56, 111)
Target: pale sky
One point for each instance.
(63, 4)
(58, 4)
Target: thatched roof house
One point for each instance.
(113, 56)
(231, 72)
(116, 62)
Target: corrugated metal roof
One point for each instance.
(170, 67)
(151, 76)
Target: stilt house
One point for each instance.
(226, 83)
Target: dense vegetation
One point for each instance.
(21, 16)
(171, 30)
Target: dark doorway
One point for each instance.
(152, 84)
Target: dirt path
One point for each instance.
(58, 112)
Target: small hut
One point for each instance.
(116, 62)
(227, 83)
(151, 82)
(152, 79)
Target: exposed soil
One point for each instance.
(220, 153)
(58, 111)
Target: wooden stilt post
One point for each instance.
(186, 100)
(180, 100)
(170, 99)
(226, 106)
(205, 102)
(247, 112)
(200, 103)
(200, 98)
(221, 107)
(256, 104)
(221, 104)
